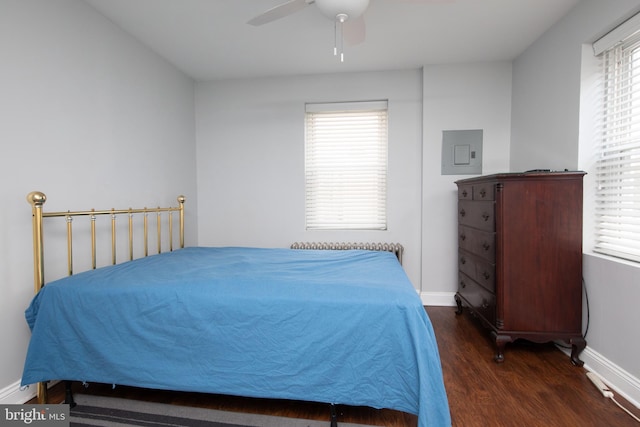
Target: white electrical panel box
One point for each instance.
(462, 152)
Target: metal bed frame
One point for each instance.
(37, 199)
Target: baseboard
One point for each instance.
(438, 299)
(15, 394)
(618, 380)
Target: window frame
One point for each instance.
(346, 165)
(617, 171)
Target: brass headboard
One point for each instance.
(37, 200)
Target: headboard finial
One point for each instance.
(181, 199)
(36, 198)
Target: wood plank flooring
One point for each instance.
(535, 386)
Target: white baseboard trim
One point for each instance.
(13, 394)
(618, 380)
(439, 299)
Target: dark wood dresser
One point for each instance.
(520, 256)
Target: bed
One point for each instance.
(334, 326)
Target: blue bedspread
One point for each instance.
(341, 327)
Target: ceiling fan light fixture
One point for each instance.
(353, 9)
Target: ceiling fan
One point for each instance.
(347, 15)
(352, 9)
(340, 12)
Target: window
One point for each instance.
(618, 164)
(346, 166)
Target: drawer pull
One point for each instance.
(463, 237)
(464, 193)
(483, 193)
(486, 216)
(462, 213)
(486, 246)
(485, 304)
(462, 284)
(486, 275)
(463, 260)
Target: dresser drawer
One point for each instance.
(477, 214)
(484, 191)
(465, 192)
(481, 300)
(478, 242)
(483, 272)
(466, 264)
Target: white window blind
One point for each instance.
(346, 166)
(618, 164)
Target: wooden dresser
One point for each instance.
(520, 256)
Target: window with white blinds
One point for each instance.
(346, 166)
(618, 164)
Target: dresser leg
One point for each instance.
(459, 304)
(577, 345)
(501, 342)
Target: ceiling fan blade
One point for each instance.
(355, 31)
(280, 11)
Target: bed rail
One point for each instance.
(396, 248)
(37, 200)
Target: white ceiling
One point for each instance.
(210, 39)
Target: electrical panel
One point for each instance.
(462, 152)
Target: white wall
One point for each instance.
(91, 118)
(250, 146)
(457, 97)
(552, 127)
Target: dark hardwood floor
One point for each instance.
(535, 386)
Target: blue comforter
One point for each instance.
(329, 326)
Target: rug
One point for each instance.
(100, 411)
